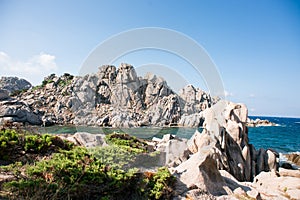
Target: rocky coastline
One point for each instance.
(111, 97)
(218, 163)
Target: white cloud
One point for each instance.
(34, 69)
(251, 95)
(228, 94)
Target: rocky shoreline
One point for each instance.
(219, 163)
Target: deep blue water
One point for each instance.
(284, 138)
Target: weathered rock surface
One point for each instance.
(3, 94)
(18, 111)
(13, 84)
(223, 146)
(174, 150)
(200, 173)
(225, 130)
(86, 139)
(112, 97)
(272, 186)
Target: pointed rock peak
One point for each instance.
(126, 74)
(155, 79)
(150, 77)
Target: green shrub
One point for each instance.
(79, 173)
(75, 174)
(64, 83)
(45, 82)
(13, 144)
(113, 156)
(38, 142)
(8, 138)
(127, 142)
(158, 185)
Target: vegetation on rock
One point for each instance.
(127, 142)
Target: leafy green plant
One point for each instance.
(8, 138)
(38, 142)
(159, 184)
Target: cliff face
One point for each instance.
(112, 97)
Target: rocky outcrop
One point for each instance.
(259, 122)
(18, 111)
(14, 84)
(111, 97)
(200, 173)
(225, 131)
(46, 104)
(272, 186)
(194, 100)
(223, 145)
(85, 139)
(173, 150)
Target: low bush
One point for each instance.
(80, 173)
(127, 142)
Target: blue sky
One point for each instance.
(254, 44)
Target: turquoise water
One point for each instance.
(141, 132)
(284, 138)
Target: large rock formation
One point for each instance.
(111, 97)
(18, 111)
(222, 145)
(225, 131)
(14, 84)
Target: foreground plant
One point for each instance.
(80, 173)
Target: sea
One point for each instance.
(284, 137)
